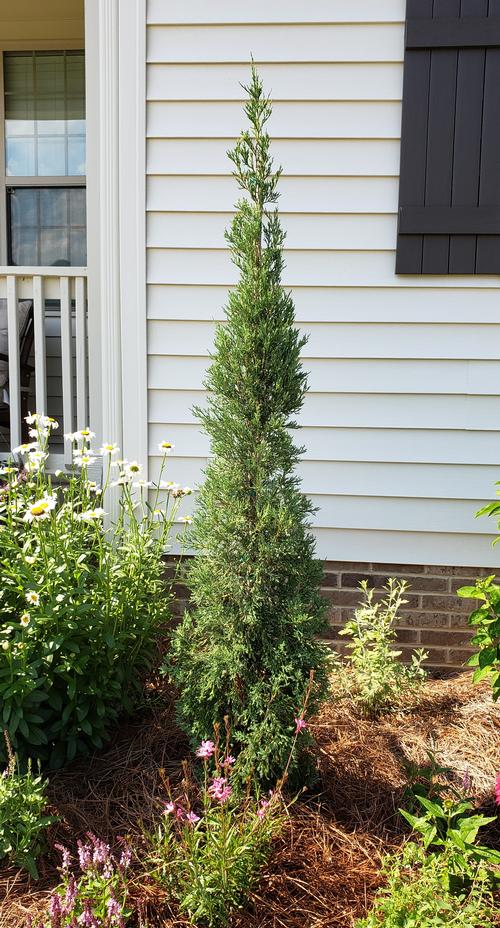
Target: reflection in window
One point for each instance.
(47, 226)
(44, 114)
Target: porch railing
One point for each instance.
(67, 287)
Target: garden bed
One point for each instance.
(325, 868)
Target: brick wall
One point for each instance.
(434, 617)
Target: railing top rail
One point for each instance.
(49, 271)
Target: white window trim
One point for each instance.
(115, 44)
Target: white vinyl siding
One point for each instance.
(401, 424)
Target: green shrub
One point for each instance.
(22, 815)
(486, 620)
(415, 896)
(248, 647)
(80, 606)
(210, 846)
(376, 678)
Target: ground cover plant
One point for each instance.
(374, 677)
(415, 896)
(23, 814)
(248, 646)
(81, 605)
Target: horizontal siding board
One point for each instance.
(387, 514)
(417, 446)
(338, 478)
(417, 303)
(344, 340)
(302, 268)
(293, 119)
(206, 230)
(273, 43)
(405, 547)
(261, 11)
(375, 81)
(347, 375)
(305, 157)
(327, 410)
(298, 194)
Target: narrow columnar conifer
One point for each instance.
(247, 649)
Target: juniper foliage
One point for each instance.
(248, 648)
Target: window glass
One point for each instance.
(47, 226)
(44, 113)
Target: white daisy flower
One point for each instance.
(25, 619)
(187, 519)
(25, 448)
(109, 448)
(168, 485)
(90, 515)
(143, 484)
(5, 645)
(40, 509)
(33, 598)
(84, 458)
(132, 469)
(31, 418)
(166, 447)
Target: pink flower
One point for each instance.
(205, 750)
(170, 808)
(219, 789)
(229, 761)
(263, 807)
(66, 857)
(125, 857)
(192, 818)
(300, 725)
(497, 789)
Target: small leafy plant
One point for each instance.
(23, 819)
(415, 896)
(486, 620)
(94, 894)
(376, 679)
(449, 825)
(81, 601)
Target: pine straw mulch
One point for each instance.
(325, 868)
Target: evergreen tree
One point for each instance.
(248, 647)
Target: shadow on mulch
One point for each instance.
(325, 867)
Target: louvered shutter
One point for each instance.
(449, 192)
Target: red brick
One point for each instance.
(446, 603)
(460, 656)
(415, 584)
(392, 569)
(423, 619)
(447, 639)
(407, 636)
(347, 565)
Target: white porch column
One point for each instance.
(116, 215)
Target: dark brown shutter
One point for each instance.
(449, 191)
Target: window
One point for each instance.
(44, 177)
(449, 194)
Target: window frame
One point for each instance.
(8, 181)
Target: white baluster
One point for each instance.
(81, 353)
(67, 365)
(14, 362)
(40, 346)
